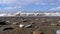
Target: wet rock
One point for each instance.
(8, 28)
(2, 23)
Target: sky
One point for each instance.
(29, 5)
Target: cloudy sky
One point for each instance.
(29, 5)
